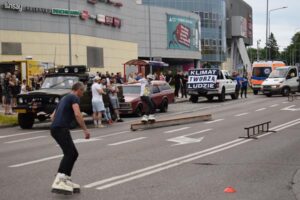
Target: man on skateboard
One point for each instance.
(145, 97)
(67, 111)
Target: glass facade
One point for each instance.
(213, 24)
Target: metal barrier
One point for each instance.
(253, 131)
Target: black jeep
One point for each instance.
(39, 104)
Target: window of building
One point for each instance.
(95, 57)
(11, 48)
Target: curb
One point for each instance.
(8, 126)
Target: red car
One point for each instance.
(161, 94)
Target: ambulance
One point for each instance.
(261, 71)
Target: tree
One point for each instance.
(273, 48)
(252, 53)
(291, 54)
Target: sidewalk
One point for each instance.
(181, 100)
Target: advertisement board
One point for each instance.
(203, 78)
(183, 33)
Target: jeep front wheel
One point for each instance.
(194, 98)
(26, 121)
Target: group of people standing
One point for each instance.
(105, 86)
(242, 83)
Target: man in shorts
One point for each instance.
(97, 102)
(66, 112)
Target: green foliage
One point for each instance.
(8, 120)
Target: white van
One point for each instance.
(282, 80)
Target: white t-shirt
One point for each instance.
(95, 92)
(145, 87)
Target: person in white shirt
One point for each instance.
(97, 102)
(24, 87)
(145, 97)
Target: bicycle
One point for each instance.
(293, 96)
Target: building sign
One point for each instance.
(65, 12)
(250, 27)
(203, 78)
(183, 33)
(12, 6)
(100, 19)
(84, 15)
(109, 2)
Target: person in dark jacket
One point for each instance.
(178, 83)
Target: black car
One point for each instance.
(40, 104)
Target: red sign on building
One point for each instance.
(109, 20)
(183, 35)
(117, 22)
(92, 1)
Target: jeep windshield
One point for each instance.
(279, 73)
(59, 82)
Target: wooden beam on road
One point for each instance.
(171, 122)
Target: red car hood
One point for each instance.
(131, 97)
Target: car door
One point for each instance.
(292, 79)
(230, 84)
(155, 95)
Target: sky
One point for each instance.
(284, 23)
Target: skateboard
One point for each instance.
(148, 122)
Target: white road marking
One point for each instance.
(184, 139)
(285, 102)
(23, 140)
(217, 120)
(113, 134)
(260, 109)
(20, 134)
(291, 108)
(78, 141)
(127, 141)
(36, 161)
(242, 114)
(117, 180)
(156, 166)
(275, 105)
(176, 130)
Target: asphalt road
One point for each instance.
(188, 162)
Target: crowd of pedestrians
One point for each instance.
(11, 86)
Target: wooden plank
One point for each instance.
(171, 122)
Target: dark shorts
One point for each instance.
(7, 100)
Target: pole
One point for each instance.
(267, 20)
(257, 50)
(150, 39)
(70, 38)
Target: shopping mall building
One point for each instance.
(105, 34)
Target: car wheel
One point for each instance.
(139, 111)
(285, 91)
(234, 96)
(268, 95)
(164, 106)
(255, 92)
(210, 98)
(222, 95)
(194, 98)
(26, 121)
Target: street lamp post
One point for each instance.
(267, 21)
(150, 39)
(70, 38)
(269, 28)
(257, 50)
